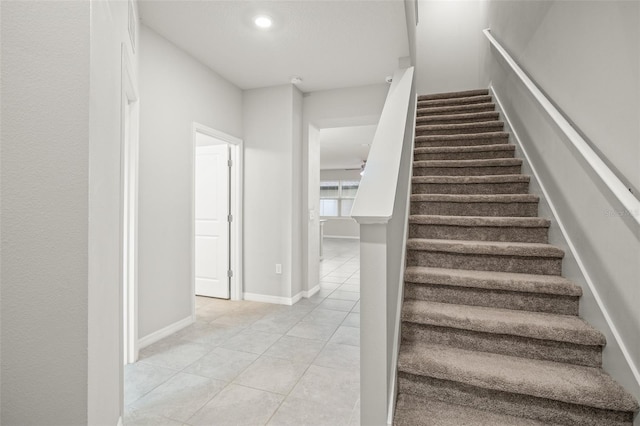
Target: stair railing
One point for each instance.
(381, 208)
(615, 185)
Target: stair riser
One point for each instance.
(456, 109)
(541, 409)
(533, 302)
(477, 155)
(475, 188)
(485, 262)
(454, 101)
(421, 131)
(426, 142)
(590, 356)
(482, 116)
(454, 95)
(443, 208)
(479, 233)
(466, 171)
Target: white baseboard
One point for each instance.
(295, 299)
(150, 339)
(344, 237)
(311, 292)
(279, 300)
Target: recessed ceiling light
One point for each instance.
(263, 21)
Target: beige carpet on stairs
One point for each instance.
(490, 328)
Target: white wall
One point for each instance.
(271, 129)
(175, 91)
(354, 106)
(45, 210)
(585, 57)
(336, 174)
(450, 45)
(341, 228)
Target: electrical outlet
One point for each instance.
(278, 268)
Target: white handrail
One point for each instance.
(377, 192)
(615, 185)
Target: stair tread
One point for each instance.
(471, 136)
(496, 248)
(489, 162)
(477, 198)
(457, 94)
(543, 379)
(492, 280)
(460, 126)
(412, 410)
(471, 179)
(535, 325)
(494, 221)
(472, 148)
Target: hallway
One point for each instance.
(250, 363)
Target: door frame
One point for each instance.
(129, 152)
(235, 209)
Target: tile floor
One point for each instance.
(249, 363)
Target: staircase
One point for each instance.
(490, 328)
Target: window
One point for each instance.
(336, 197)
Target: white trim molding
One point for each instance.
(343, 237)
(278, 300)
(309, 293)
(167, 331)
(236, 210)
(281, 300)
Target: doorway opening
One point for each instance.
(336, 159)
(217, 215)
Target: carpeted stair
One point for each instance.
(490, 328)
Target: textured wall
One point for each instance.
(45, 173)
(585, 55)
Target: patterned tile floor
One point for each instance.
(249, 363)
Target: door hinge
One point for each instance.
(229, 273)
(230, 163)
(230, 218)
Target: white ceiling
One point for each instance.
(329, 43)
(345, 147)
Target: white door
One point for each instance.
(211, 221)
